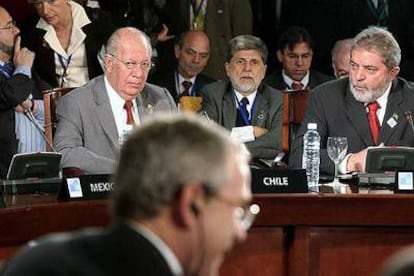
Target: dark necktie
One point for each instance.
(297, 85)
(242, 113)
(186, 85)
(373, 121)
(7, 68)
(243, 105)
(128, 108)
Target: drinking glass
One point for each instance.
(337, 148)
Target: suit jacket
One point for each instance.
(97, 33)
(224, 20)
(119, 250)
(275, 80)
(337, 113)
(220, 104)
(168, 81)
(86, 134)
(13, 91)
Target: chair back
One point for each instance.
(50, 99)
(294, 109)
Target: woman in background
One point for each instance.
(66, 40)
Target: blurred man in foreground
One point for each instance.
(181, 201)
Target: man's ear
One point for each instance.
(177, 50)
(394, 72)
(189, 205)
(279, 55)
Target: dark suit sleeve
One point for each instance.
(209, 104)
(14, 90)
(315, 113)
(269, 144)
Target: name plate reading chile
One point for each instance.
(279, 181)
(87, 187)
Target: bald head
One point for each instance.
(341, 58)
(192, 51)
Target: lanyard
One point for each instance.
(244, 115)
(7, 69)
(65, 67)
(196, 10)
(191, 92)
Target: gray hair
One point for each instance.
(381, 41)
(113, 42)
(165, 154)
(246, 42)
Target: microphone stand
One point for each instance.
(409, 118)
(31, 117)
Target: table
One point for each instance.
(294, 234)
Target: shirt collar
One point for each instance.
(250, 97)
(162, 247)
(288, 81)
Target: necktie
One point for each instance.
(297, 85)
(186, 85)
(244, 102)
(373, 121)
(7, 69)
(128, 108)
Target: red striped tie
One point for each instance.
(128, 108)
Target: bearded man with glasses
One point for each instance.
(17, 87)
(95, 119)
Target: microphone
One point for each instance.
(409, 118)
(40, 128)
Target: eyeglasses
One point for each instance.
(9, 26)
(245, 215)
(132, 65)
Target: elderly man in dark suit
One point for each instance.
(368, 107)
(94, 119)
(192, 51)
(250, 109)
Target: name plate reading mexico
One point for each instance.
(87, 187)
(279, 181)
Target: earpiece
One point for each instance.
(194, 208)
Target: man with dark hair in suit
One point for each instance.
(16, 86)
(250, 109)
(295, 52)
(181, 201)
(368, 107)
(95, 118)
(192, 51)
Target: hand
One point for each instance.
(356, 162)
(27, 104)
(163, 34)
(259, 131)
(22, 56)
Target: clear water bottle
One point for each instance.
(311, 157)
